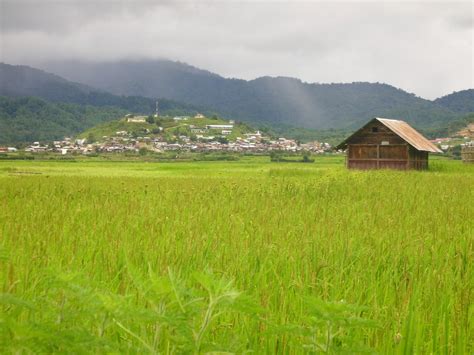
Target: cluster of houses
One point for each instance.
(7, 149)
(65, 146)
(464, 138)
(447, 143)
(252, 142)
(124, 142)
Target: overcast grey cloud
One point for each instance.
(423, 47)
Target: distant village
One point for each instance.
(207, 138)
(202, 138)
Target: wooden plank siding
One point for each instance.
(467, 154)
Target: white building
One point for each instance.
(220, 126)
(136, 119)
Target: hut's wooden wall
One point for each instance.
(377, 147)
(418, 159)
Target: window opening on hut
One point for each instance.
(375, 129)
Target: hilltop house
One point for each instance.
(219, 126)
(136, 119)
(390, 144)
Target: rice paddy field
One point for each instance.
(235, 257)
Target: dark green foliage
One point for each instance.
(91, 138)
(307, 158)
(31, 119)
(286, 157)
(332, 136)
(222, 140)
(268, 100)
(150, 119)
(66, 108)
(72, 315)
(330, 327)
(461, 101)
(19, 81)
(451, 128)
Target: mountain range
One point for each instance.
(280, 103)
(37, 106)
(279, 100)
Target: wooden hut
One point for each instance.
(387, 144)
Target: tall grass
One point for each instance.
(235, 257)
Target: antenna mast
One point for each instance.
(157, 110)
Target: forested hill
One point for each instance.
(23, 81)
(286, 106)
(268, 100)
(460, 101)
(36, 105)
(28, 119)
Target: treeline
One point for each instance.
(30, 119)
(27, 119)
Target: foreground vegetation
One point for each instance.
(237, 256)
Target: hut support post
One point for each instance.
(378, 156)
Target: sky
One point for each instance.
(423, 47)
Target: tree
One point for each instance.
(150, 119)
(306, 157)
(275, 156)
(222, 140)
(91, 138)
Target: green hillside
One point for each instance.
(109, 129)
(460, 101)
(27, 119)
(171, 129)
(451, 128)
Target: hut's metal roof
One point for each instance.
(407, 133)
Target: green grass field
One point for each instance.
(234, 257)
